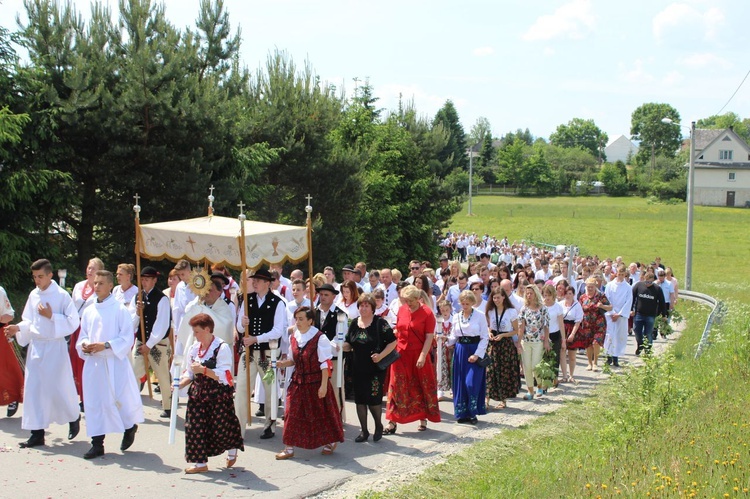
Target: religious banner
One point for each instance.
(217, 239)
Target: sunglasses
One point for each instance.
(415, 268)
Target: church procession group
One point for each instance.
(439, 333)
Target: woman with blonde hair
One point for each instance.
(556, 329)
(470, 336)
(594, 323)
(412, 390)
(533, 328)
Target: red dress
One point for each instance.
(310, 421)
(412, 392)
(594, 324)
(11, 376)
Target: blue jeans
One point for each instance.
(643, 325)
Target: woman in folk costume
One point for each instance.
(11, 376)
(83, 296)
(412, 393)
(312, 414)
(211, 426)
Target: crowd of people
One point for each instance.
(472, 332)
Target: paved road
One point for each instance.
(152, 467)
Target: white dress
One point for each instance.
(109, 386)
(49, 391)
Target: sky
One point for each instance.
(519, 64)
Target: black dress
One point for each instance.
(368, 379)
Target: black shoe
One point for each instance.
(33, 441)
(638, 350)
(363, 436)
(94, 451)
(464, 421)
(378, 433)
(166, 413)
(73, 428)
(615, 362)
(473, 420)
(261, 412)
(12, 409)
(128, 437)
(157, 389)
(80, 406)
(267, 433)
(609, 360)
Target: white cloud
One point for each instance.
(572, 20)
(704, 59)
(638, 74)
(680, 20)
(483, 51)
(672, 78)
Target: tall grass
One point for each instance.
(676, 427)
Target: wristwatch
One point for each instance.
(107, 346)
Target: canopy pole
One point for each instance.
(243, 276)
(311, 286)
(137, 210)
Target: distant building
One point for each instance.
(619, 149)
(722, 168)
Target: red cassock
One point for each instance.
(11, 375)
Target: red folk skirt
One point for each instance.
(412, 392)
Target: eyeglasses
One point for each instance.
(415, 268)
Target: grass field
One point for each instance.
(677, 427)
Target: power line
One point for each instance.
(735, 92)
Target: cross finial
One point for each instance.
(136, 207)
(309, 198)
(211, 190)
(136, 197)
(241, 205)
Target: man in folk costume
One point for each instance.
(156, 317)
(326, 319)
(11, 376)
(214, 305)
(109, 385)
(50, 393)
(266, 320)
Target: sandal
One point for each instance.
(422, 425)
(572, 380)
(329, 448)
(390, 429)
(287, 453)
(231, 459)
(501, 405)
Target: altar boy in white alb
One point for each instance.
(49, 391)
(113, 402)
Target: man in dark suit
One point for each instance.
(327, 317)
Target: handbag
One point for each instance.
(389, 359)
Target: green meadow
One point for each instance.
(676, 427)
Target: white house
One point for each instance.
(722, 168)
(619, 149)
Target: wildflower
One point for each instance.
(588, 485)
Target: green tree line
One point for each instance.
(101, 110)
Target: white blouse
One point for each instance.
(554, 311)
(476, 326)
(223, 359)
(573, 313)
(506, 320)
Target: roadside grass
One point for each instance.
(676, 427)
